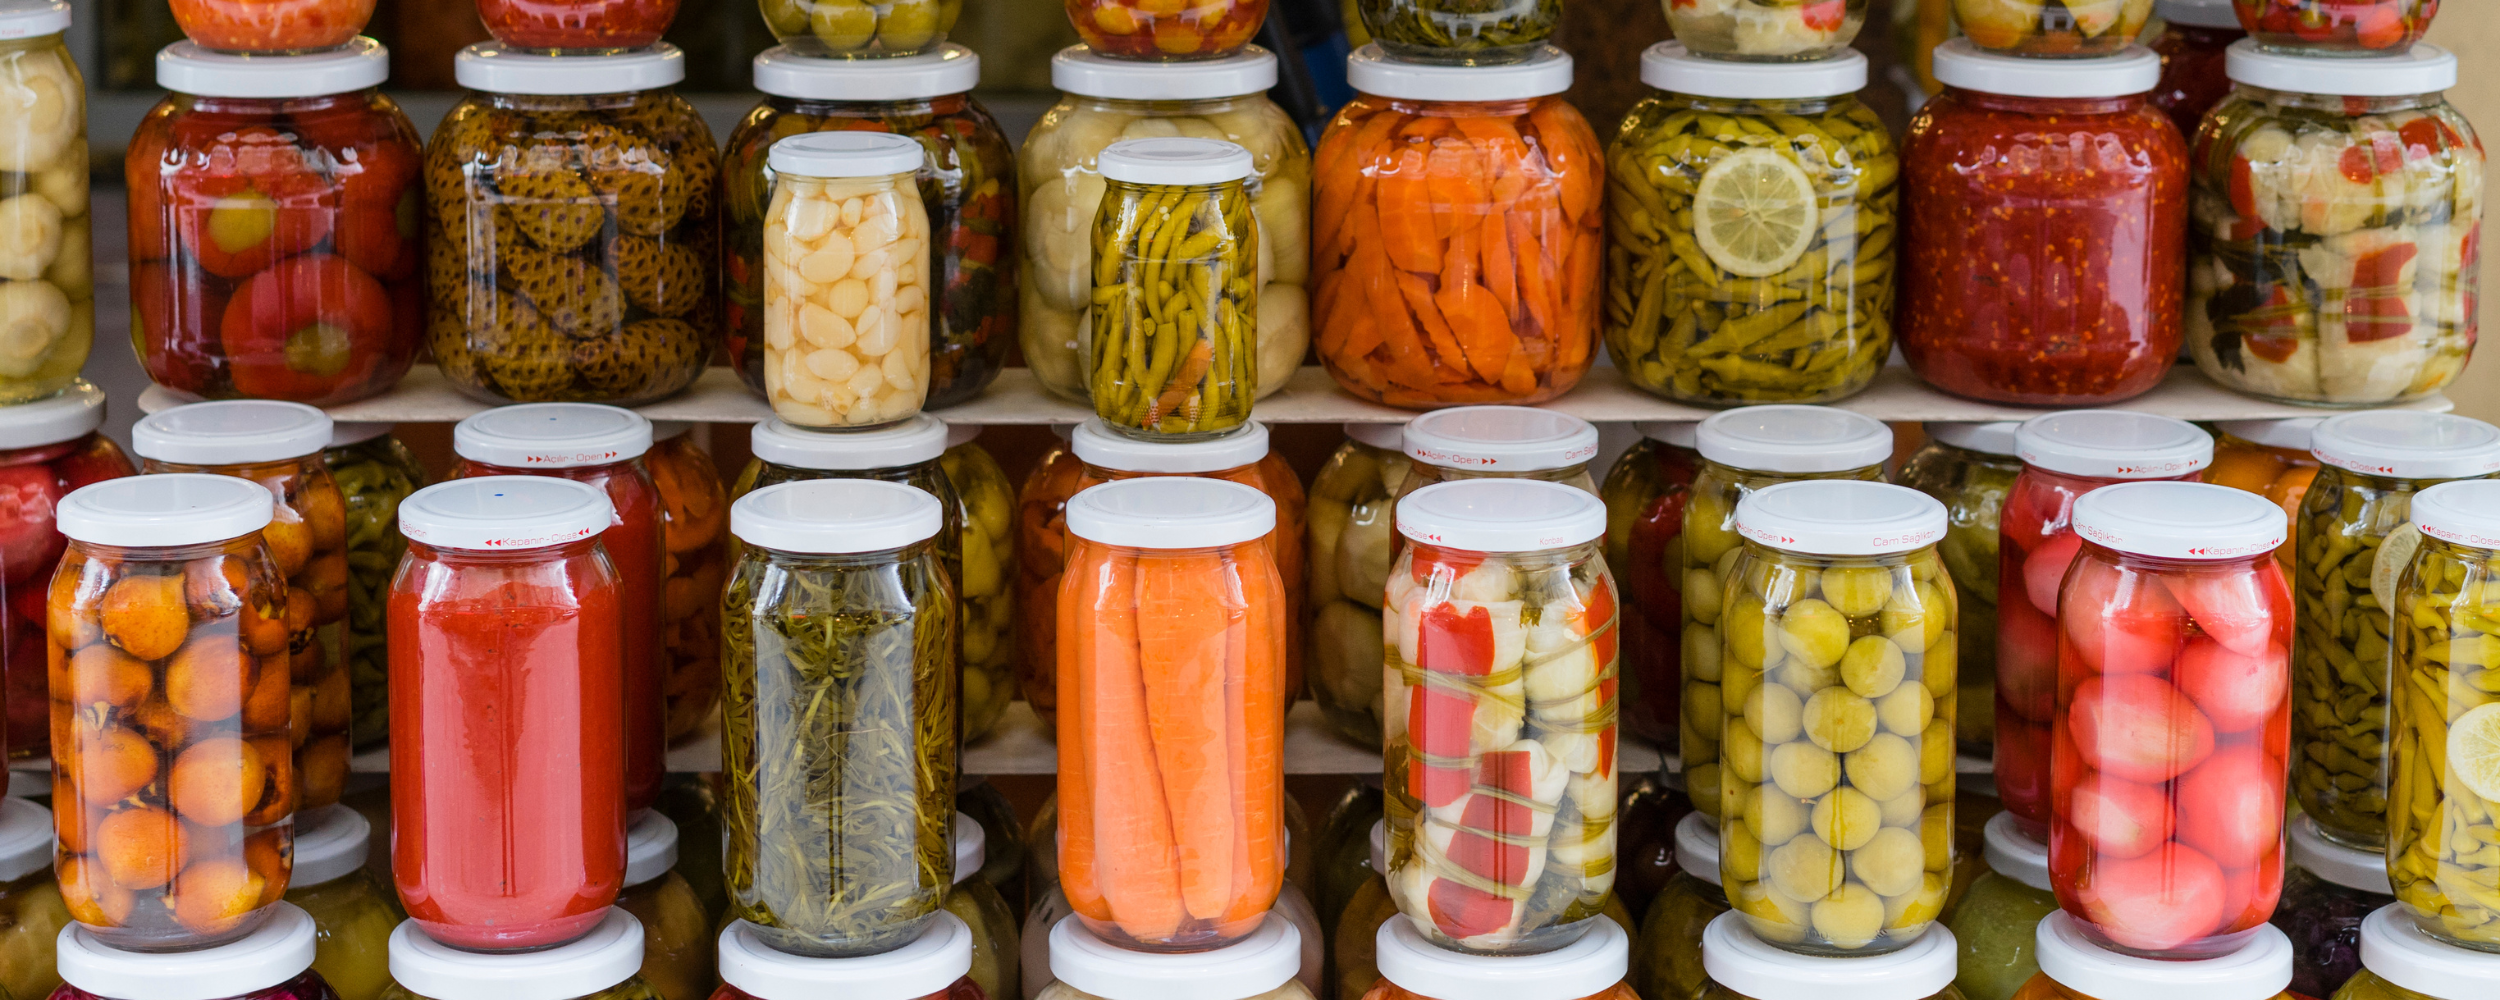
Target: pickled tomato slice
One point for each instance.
(2138, 727)
(2045, 568)
(2237, 692)
(2236, 608)
(2153, 903)
(2121, 818)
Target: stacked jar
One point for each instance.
(375, 472)
(2330, 891)
(1171, 344)
(48, 449)
(1646, 492)
(272, 963)
(2195, 35)
(2441, 720)
(2269, 458)
(602, 964)
(1971, 469)
(676, 934)
(352, 911)
(48, 304)
(846, 281)
(1995, 920)
(2075, 965)
(987, 583)
(1350, 545)
(2399, 962)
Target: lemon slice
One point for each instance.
(2474, 750)
(1756, 213)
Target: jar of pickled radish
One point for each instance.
(848, 29)
(935, 965)
(1646, 492)
(694, 523)
(1743, 966)
(2065, 455)
(2440, 720)
(2269, 458)
(272, 963)
(1175, 214)
(977, 903)
(1501, 736)
(1746, 450)
(32, 915)
(1414, 968)
(1739, 30)
(599, 966)
(1995, 920)
(2171, 721)
(43, 138)
(2323, 27)
(2023, 29)
(1152, 30)
(375, 472)
(47, 450)
(2196, 33)
(2074, 966)
(2402, 963)
(1970, 468)
(846, 281)
(986, 585)
(352, 911)
(1257, 967)
(2328, 892)
(1349, 546)
(1671, 931)
(602, 447)
(676, 935)
(285, 27)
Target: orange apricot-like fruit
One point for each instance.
(277, 800)
(324, 771)
(215, 586)
(92, 897)
(139, 847)
(325, 514)
(57, 680)
(161, 724)
(264, 628)
(102, 675)
(205, 680)
(216, 781)
(266, 854)
(290, 543)
(63, 620)
(214, 896)
(331, 605)
(110, 764)
(301, 609)
(308, 661)
(332, 708)
(327, 571)
(299, 713)
(69, 817)
(145, 616)
(265, 709)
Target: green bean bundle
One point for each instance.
(1174, 337)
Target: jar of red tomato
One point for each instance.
(2191, 49)
(2074, 967)
(577, 27)
(2065, 455)
(273, 963)
(2337, 27)
(1645, 493)
(47, 449)
(604, 447)
(935, 965)
(604, 965)
(272, 27)
(2045, 208)
(2173, 725)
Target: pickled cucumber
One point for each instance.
(2352, 529)
(2442, 854)
(1173, 347)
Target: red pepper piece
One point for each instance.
(306, 328)
(1464, 912)
(1440, 723)
(1450, 643)
(1490, 859)
(2378, 308)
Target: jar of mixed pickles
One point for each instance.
(1744, 966)
(1753, 230)
(1106, 100)
(572, 254)
(1176, 365)
(1414, 968)
(374, 472)
(49, 305)
(986, 582)
(935, 965)
(284, 28)
(2023, 29)
(600, 966)
(47, 450)
(2269, 458)
(694, 525)
(2328, 892)
(967, 185)
(844, 29)
(1746, 450)
(2441, 720)
(2322, 27)
(1136, 29)
(2310, 278)
(1671, 931)
(676, 934)
(577, 27)
(2074, 966)
(1646, 492)
(1459, 34)
(272, 963)
(352, 911)
(846, 281)
(977, 903)
(1758, 31)
(2191, 46)
(32, 915)
(840, 703)
(2402, 963)
(1970, 468)
(1259, 966)
(1996, 919)
(1349, 543)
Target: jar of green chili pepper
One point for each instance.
(375, 472)
(1460, 32)
(1173, 346)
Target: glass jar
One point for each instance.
(2065, 455)
(599, 966)
(47, 450)
(1671, 931)
(2009, 173)
(676, 934)
(1412, 967)
(1997, 919)
(846, 281)
(2328, 286)
(1646, 492)
(1759, 32)
(2191, 47)
(931, 966)
(977, 903)
(1133, 29)
(1259, 966)
(689, 800)
(1060, 192)
(967, 186)
(1970, 468)
(1458, 34)
(2073, 966)
(285, 27)
(43, 138)
(2327, 894)
(583, 268)
(1501, 735)
(1344, 849)
(272, 963)
(1003, 864)
(1206, 853)
(173, 800)
(2022, 29)
(841, 29)
(1174, 215)
(2406, 964)
(352, 911)
(2172, 721)
(2269, 458)
(1743, 451)
(2445, 781)
(1353, 969)
(577, 27)
(2323, 27)
(1505, 310)
(602, 447)
(32, 914)
(375, 472)
(1743, 966)
(501, 852)
(694, 525)
(1753, 229)
(988, 628)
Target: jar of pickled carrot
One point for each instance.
(272, 963)
(1743, 966)
(1413, 968)
(601, 966)
(2073, 966)
(1259, 967)
(694, 523)
(47, 449)
(933, 966)
(1171, 777)
(1481, 286)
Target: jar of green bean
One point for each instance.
(1173, 346)
(375, 472)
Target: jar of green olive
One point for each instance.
(2445, 718)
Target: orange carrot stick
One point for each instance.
(1259, 747)
(1180, 650)
(1498, 264)
(1570, 151)
(1534, 285)
(1077, 871)
(1132, 822)
(1405, 204)
(1444, 343)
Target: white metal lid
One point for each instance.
(1680, 433)
(2395, 948)
(1500, 439)
(2016, 856)
(1583, 968)
(971, 848)
(345, 433)
(1697, 847)
(2198, 13)
(2349, 867)
(1386, 437)
(610, 954)
(188, 508)
(73, 414)
(2288, 432)
(1669, 66)
(650, 848)
(231, 432)
(951, 69)
(846, 154)
(496, 69)
(1738, 960)
(2258, 971)
(836, 516)
(1171, 512)
(280, 950)
(1841, 517)
(2113, 444)
(331, 843)
(933, 961)
(29, 18)
(1547, 70)
(505, 513)
(552, 436)
(1079, 71)
(2133, 70)
(1263, 961)
(918, 438)
(1096, 444)
(2407, 444)
(2465, 513)
(2175, 520)
(1173, 160)
(1995, 437)
(1501, 515)
(1789, 437)
(190, 68)
(25, 839)
(2422, 69)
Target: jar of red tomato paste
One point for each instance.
(47, 449)
(2191, 50)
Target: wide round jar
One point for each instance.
(1260, 966)
(32, 915)
(694, 525)
(1743, 451)
(2441, 722)
(1503, 717)
(848, 29)
(1646, 492)
(2269, 458)
(1970, 468)
(577, 27)
(47, 450)
(977, 903)
(1349, 547)
(986, 585)
(2021, 29)
(375, 472)
(48, 309)
(1995, 919)
(2309, 279)
(352, 910)
(574, 229)
(1755, 32)
(272, 963)
(1412, 967)
(2329, 28)
(1482, 288)
(967, 185)
(2172, 721)
(2327, 894)
(2046, 215)
(677, 944)
(1175, 215)
(1671, 931)
(1744, 966)
(1458, 34)
(846, 281)
(1105, 100)
(2195, 35)
(1145, 30)
(934, 965)
(424, 969)
(271, 27)
(2064, 455)
(2075, 967)
(2402, 963)
(1752, 227)
(2354, 541)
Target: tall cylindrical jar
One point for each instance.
(2328, 892)
(1171, 350)
(935, 965)
(1646, 492)
(1498, 442)
(1752, 214)
(846, 281)
(375, 472)
(272, 963)
(2195, 35)
(352, 910)
(1412, 967)
(603, 965)
(1745, 966)
(694, 525)
(1349, 547)
(986, 584)
(2074, 966)
(49, 305)
(47, 450)
(2441, 722)
(1970, 468)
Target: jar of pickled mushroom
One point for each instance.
(986, 585)
(50, 305)
(694, 524)
(1746, 450)
(1207, 851)
(1671, 931)
(1996, 918)
(602, 447)
(1412, 967)
(1646, 492)
(1752, 214)
(173, 790)
(352, 911)
(1745, 966)
(2402, 963)
(676, 934)
(2446, 778)
(2355, 541)
(977, 903)
(2191, 47)
(846, 281)
(599, 966)
(933, 965)
(32, 914)
(286, 27)
(2326, 27)
(822, 728)
(577, 27)
(1174, 214)
(1503, 309)
(47, 450)
(2172, 724)
(1349, 543)
(1259, 966)
(2316, 284)
(853, 29)
(2269, 458)
(2075, 966)
(1970, 467)
(374, 472)
(272, 963)
(2328, 892)
(2027, 29)
(1457, 34)
(1502, 728)
(967, 185)
(2000, 299)
(574, 226)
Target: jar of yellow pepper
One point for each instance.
(2445, 719)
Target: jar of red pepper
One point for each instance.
(577, 27)
(2191, 50)
(272, 27)
(2045, 226)
(2337, 27)
(47, 449)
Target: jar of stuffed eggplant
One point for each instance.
(1970, 468)
(1349, 549)
(374, 472)
(1645, 494)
